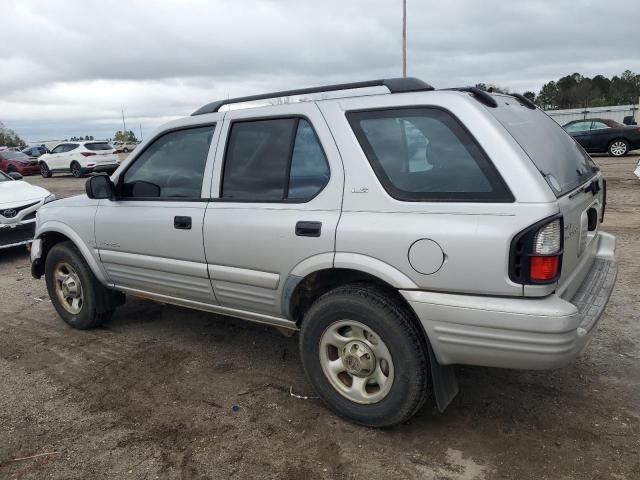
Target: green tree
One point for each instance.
(530, 95)
(121, 136)
(9, 138)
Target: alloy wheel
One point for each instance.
(68, 288)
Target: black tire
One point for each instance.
(618, 147)
(11, 168)
(44, 170)
(76, 170)
(380, 311)
(93, 291)
(125, 150)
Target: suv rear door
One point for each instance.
(570, 174)
(278, 183)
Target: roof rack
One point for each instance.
(524, 100)
(395, 85)
(480, 95)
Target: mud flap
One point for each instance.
(444, 380)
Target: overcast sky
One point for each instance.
(68, 67)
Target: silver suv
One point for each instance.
(401, 229)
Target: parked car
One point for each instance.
(127, 147)
(12, 161)
(35, 150)
(79, 158)
(400, 233)
(19, 202)
(601, 135)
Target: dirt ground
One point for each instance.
(152, 394)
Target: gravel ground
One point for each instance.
(150, 395)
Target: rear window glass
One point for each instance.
(98, 146)
(562, 162)
(424, 154)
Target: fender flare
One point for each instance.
(85, 250)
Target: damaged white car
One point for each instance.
(18, 204)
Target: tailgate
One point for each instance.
(581, 211)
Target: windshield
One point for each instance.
(562, 162)
(19, 156)
(98, 146)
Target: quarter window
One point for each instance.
(423, 154)
(171, 167)
(273, 160)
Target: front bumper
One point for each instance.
(523, 333)
(13, 235)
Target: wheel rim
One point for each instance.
(68, 288)
(356, 361)
(618, 148)
(43, 169)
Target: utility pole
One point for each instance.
(124, 125)
(404, 38)
(140, 132)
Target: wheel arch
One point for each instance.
(53, 233)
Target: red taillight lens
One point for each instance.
(88, 154)
(544, 269)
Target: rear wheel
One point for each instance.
(73, 289)
(125, 150)
(44, 170)
(618, 148)
(364, 355)
(76, 170)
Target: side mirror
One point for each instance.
(99, 187)
(15, 175)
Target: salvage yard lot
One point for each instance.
(150, 395)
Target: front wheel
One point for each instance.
(618, 148)
(125, 150)
(364, 355)
(44, 170)
(73, 289)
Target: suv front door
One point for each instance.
(278, 184)
(150, 236)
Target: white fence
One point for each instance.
(616, 113)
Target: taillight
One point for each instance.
(536, 253)
(87, 154)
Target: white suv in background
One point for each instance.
(79, 158)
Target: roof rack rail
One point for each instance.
(524, 100)
(395, 85)
(480, 95)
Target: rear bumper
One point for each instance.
(523, 333)
(100, 168)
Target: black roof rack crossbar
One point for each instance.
(479, 94)
(524, 100)
(395, 85)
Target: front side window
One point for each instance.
(273, 160)
(170, 167)
(59, 149)
(422, 154)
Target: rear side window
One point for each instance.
(561, 161)
(273, 160)
(424, 154)
(98, 146)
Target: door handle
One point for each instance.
(308, 229)
(182, 223)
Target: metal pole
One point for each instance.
(124, 125)
(404, 38)
(140, 132)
